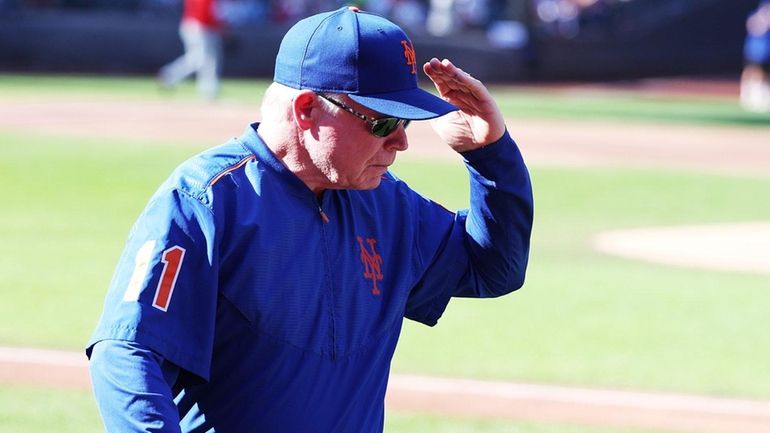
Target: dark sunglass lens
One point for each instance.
(385, 127)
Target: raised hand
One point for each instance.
(479, 121)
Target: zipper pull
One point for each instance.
(324, 217)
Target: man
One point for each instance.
(264, 287)
(755, 79)
(201, 33)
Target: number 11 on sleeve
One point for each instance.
(172, 262)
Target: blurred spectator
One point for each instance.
(755, 80)
(238, 13)
(291, 11)
(473, 13)
(508, 34)
(201, 33)
(445, 17)
(592, 19)
(441, 19)
(437, 17)
(410, 15)
(558, 17)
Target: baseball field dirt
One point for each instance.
(472, 398)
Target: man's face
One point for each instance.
(348, 154)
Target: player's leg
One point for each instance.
(763, 102)
(211, 64)
(189, 62)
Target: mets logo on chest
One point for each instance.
(411, 58)
(371, 261)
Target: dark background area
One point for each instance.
(511, 41)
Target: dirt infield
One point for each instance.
(736, 247)
(723, 149)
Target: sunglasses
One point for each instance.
(381, 127)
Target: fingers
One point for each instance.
(449, 79)
(446, 72)
(479, 120)
(466, 101)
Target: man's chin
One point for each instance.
(369, 184)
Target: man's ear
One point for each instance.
(305, 107)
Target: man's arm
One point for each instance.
(481, 252)
(132, 385)
(486, 250)
(498, 224)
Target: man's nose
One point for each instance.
(397, 141)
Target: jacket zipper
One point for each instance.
(324, 217)
(329, 279)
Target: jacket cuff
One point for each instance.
(491, 150)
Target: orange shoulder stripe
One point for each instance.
(230, 169)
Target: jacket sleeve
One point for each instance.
(132, 386)
(483, 251)
(498, 224)
(163, 293)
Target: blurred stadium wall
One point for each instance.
(499, 41)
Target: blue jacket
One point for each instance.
(257, 307)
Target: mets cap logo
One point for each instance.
(411, 58)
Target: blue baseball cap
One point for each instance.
(359, 54)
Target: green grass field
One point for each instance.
(75, 412)
(581, 319)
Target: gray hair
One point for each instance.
(277, 102)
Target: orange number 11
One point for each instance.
(172, 261)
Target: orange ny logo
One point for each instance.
(411, 58)
(372, 262)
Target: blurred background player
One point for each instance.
(755, 80)
(201, 33)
